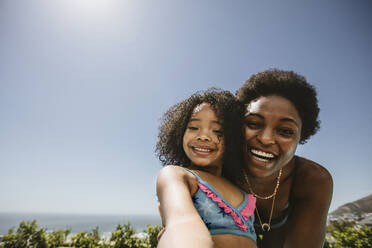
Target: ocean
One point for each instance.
(77, 222)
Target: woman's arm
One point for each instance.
(183, 225)
(313, 193)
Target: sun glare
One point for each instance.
(91, 8)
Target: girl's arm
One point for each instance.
(183, 225)
(307, 223)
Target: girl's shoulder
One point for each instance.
(175, 174)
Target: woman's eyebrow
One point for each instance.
(287, 119)
(254, 114)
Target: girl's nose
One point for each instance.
(203, 137)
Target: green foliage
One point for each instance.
(86, 240)
(124, 237)
(29, 235)
(57, 238)
(346, 234)
(152, 235)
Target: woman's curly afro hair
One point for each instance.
(291, 86)
(169, 148)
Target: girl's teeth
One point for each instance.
(202, 149)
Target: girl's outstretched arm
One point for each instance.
(183, 225)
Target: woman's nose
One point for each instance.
(266, 137)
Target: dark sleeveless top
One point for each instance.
(280, 221)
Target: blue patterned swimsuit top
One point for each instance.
(220, 216)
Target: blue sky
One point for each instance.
(83, 84)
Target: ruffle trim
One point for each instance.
(246, 212)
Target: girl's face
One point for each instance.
(272, 133)
(203, 140)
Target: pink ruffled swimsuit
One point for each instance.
(219, 216)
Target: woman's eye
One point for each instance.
(286, 132)
(252, 125)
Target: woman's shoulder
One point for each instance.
(310, 170)
(312, 178)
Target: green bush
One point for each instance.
(57, 238)
(152, 234)
(348, 235)
(29, 235)
(86, 240)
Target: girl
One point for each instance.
(202, 137)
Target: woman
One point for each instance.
(293, 193)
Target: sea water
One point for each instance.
(77, 222)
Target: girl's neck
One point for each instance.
(212, 169)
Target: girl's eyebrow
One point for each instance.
(196, 119)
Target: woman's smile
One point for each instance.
(272, 132)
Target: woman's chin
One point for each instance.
(260, 168)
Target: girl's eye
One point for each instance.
(286, 132)
(192, 128)
(218, 132)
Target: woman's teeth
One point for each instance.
(262, 156)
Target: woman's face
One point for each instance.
(203, 142)
(272, 131)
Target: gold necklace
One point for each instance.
(264, 197)
(265, 226)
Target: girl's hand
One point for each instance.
(184, 227)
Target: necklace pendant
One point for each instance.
(265, 227)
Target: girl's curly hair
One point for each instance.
(291, 86)
(228, 110)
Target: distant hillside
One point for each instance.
(361, 206)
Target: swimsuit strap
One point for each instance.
(294, 172)
(195, 174)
